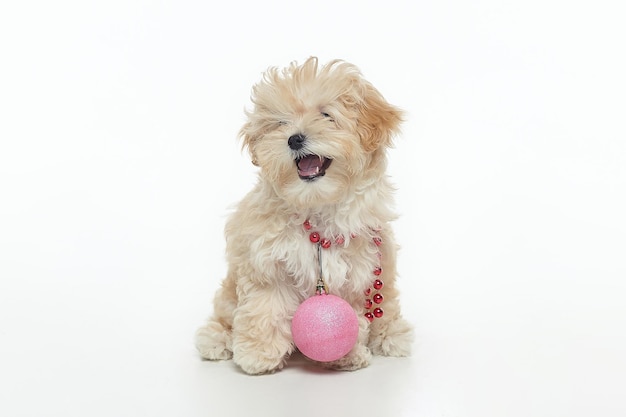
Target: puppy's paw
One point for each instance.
(258, 364)
(257, 357)
(214, 342)
(392, 339)
(359, 357)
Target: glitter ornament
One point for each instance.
(325, 328)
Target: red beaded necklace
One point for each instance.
(373, 294)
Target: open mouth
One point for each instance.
(312, 166)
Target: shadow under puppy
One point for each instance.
(319, 135)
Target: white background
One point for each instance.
(119, 161)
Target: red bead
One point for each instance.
(314, 237)
(368, 291)
(378, 284)
(378, 241)
(307, 225)
(378, 298)
(377, 271)
(325, 243)
(378, 312)
(368, 304)
(369, 316)
(340, 240)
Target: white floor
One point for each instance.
(118, 162)
(122, 345)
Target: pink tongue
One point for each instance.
(310, 165)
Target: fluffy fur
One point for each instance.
(273, 266)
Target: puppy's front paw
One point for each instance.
(392, 339)
(258, 364)
(214, 342)
(359, 357)
(256, 358)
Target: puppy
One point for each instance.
(319, 135)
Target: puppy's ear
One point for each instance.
(379, 121)
(248, 141)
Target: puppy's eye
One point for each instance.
(326, 115)
(282, 122)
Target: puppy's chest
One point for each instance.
(346, 264)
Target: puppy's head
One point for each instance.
(318, 132)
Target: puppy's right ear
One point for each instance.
(248, 141)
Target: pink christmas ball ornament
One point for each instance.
(325, 328)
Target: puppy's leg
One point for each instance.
(214, 340)
(390, 335)
(262, 329)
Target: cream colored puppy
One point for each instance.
(319, 135)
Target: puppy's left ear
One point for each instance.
(248, 142)
(379, 121)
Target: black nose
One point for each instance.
(296, 142)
